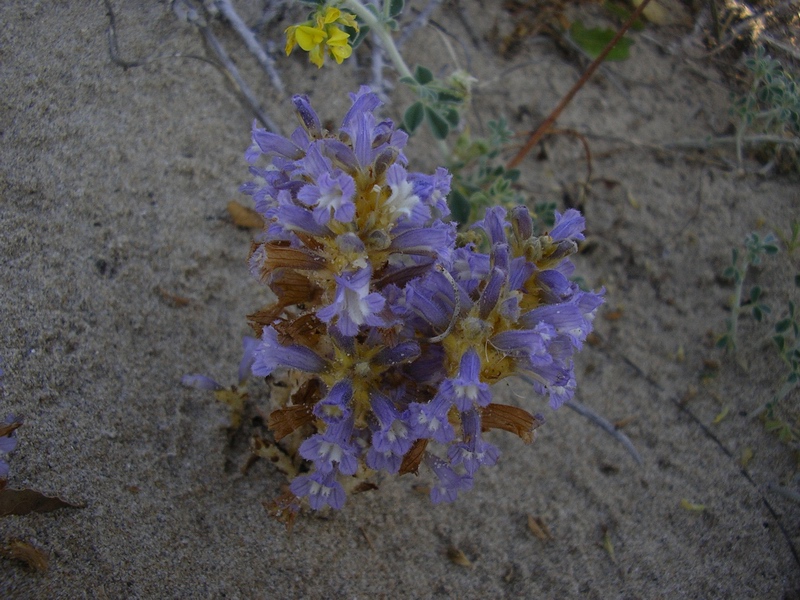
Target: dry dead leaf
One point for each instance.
(665, 12)
(244, 216)
(722, 414)
(22, 502)
(747, 456)
(457, 557)
(175, 300)
(539, 528)
(608, 545)
(691, 506)
(624, 422)
(236, 400)
(20, 550)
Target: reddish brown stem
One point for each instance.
(542, 129)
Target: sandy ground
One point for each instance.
(114, 184)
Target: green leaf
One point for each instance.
(437, 123)
(423, 75)
(452, 116)
(357, 36)
(446, 96)
(755, 293)
(459, 207)
(780, 342)
(595, 39)
(396, 7)
(413, 116)
(783, 325)
(623, 15)
(797, 280)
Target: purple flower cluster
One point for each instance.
(8, 442)
(394, 326)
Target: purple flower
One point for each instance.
(553, 380)
(333, 448)
(393, 433)
(473, 452)
(330, 195)
(271, 354)
(564, 318)
(335, 407)
(354, 305)
(402, 199)
(430, 420)
(435, 241)
(8, 443)
(199, 382)
(469, 267)
(432, 190)
(322, 490)
(271, 144)
(467, 390)
(568, 226)
(249, 346)
(448, 483)
(530, 343)
(494, 224)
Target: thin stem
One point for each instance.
(369, 19)
(736, 303)
(249, 39)
(543, 128)
(786, 388)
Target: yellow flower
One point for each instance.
(323, 33)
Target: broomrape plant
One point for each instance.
(391, 325)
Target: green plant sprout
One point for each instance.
(755, 249)
(791, 240)
(787, 341)
(480, 180)
(439, 101)
(770, 109)
(786, 331)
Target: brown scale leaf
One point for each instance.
(244, 216)
(7, 428)
(34, 559)
(292, 287)
(413, 457)
(309, 393)
(264, 317)
(284, 508)
(309, 240)
(285, 257)
(510, 418)
(24, 501)
(364, 486)
(304, 330)
(284, 421)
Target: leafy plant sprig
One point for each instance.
(755, 249)
(439, 101)
(787, 341)
(480, 180)
(771, 106)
